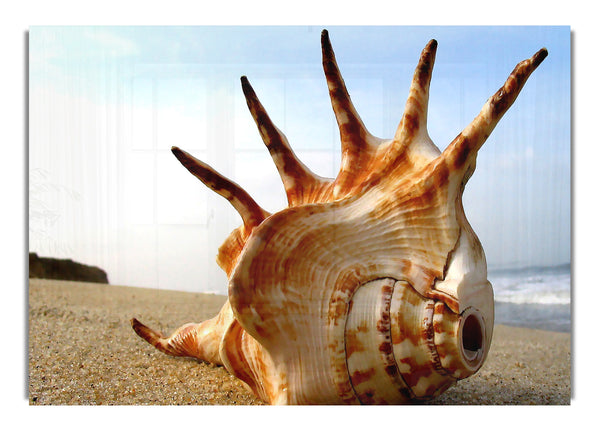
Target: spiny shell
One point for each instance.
(370, 287)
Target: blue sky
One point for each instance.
(107, 103)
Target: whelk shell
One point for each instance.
(370, 287)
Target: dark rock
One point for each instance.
(64, 269)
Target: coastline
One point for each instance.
(82, 351)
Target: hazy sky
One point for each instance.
(107, 103)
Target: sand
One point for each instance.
(82, 351)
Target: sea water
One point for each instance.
(536, 297)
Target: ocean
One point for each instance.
(536, 297)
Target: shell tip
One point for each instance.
(137, 326)
(539, 56)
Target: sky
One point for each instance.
(107, 103)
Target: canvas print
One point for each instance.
(299, 215)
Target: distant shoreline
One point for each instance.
(530, 268)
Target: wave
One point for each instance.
(536, 285)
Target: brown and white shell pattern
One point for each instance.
(370, 287)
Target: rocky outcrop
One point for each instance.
(64, 269)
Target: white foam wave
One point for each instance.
(532, 288)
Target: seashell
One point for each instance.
(368, 288)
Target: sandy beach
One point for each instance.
(82, 351)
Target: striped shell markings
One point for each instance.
(369, 288)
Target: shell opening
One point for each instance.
(472, 335)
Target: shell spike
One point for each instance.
(252, 214)
(196, 340)
(358, 145)
(414, 120)
(162, 343)
(294, 174)
(354, 134)
(411, 146)
(462, 151)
